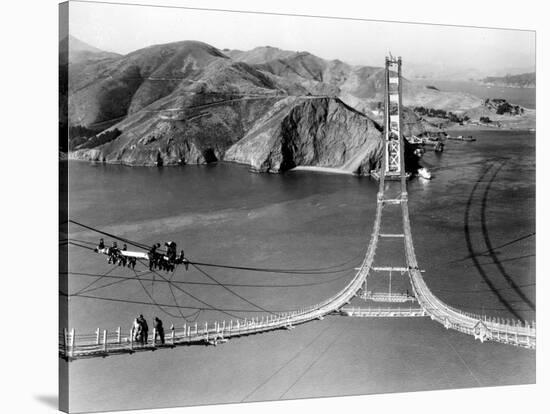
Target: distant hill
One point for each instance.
(524, 80)
(78, 55)
(79, 51)
(358, 86)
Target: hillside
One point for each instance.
(258, 55)
(200, 133)
(359, 86)
(107, 91)
(79, 51)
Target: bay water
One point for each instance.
(474, 231)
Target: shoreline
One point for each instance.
(325, 170)
(69, 156)
(486, 128)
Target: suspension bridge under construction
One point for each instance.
(392, 213)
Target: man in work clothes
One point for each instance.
(144, 329)
(159, 329)
(136, 330)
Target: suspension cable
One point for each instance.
(223, 310)
(189, 282)
(232, 291)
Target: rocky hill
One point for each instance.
(107, 91)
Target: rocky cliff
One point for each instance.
(197, 133)
(320, 132)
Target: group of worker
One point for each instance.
(140, 330)
(166, 261)
(157, 260)
(115, 256)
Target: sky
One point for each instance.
(432, 50)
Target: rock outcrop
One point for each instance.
(198, 134)
(320, 132)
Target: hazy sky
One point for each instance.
(124, 28)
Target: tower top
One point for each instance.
(393, 60)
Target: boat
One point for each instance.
(424, 173)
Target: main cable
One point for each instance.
(223, 310)
(152, 299)
(186, 282)
(128, 241)
(97, 280)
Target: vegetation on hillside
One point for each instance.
(501, 107)
(440, 113)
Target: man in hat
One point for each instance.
(159, 330)
(144, 329)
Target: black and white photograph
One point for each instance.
(299, 208)
(261, 206)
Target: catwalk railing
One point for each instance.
(383, 312)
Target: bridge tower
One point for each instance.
(392, 193)
(393, 137)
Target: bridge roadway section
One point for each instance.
(73, 345)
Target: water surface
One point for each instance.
(473, 227)
(525, 97)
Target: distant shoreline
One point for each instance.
(65, 157)
(485, 128)
(503, 85)
(328, 170)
